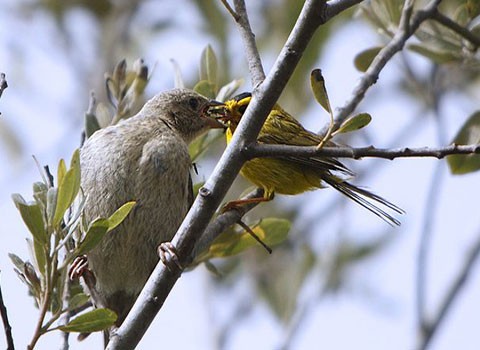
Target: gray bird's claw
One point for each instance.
(168, 256)
(78, 268)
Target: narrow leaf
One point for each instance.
(98, 228)
(16, 260)
(317, 83)
(469, 134)
(32, 217)
(40, 256)
(205, 88)
(92, 321)
(227, 91)
(364, 59)
(120, 214)
(78, 300)
(62, 169)
(439, 57)
(68, 188)
(208, 66)
(91, 124)
(271, 231)
(177, 73)
(354, 123)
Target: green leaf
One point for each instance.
(271, 231)
(97, 229)
(17, 261)
(92, 321)
(91, 124)
(120, 214)
(68, 188)
(40, 256)
(40, 193)
(354, 123)
(469, 134)
(32, 217)
(364, 59)
(317, 83)
(62, 169)
(205, 88)
(440, 57)
(51, 203)
(77, 300)
(208, 66)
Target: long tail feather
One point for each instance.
(365, 198)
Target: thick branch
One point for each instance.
(406, 29)
(262, 150)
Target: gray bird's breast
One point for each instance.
(151, 168)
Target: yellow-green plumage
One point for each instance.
(294, 175)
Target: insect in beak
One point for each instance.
(213, 112)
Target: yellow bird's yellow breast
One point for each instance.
(277, 175)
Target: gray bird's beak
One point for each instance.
(213, 111)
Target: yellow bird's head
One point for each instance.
(234, 110)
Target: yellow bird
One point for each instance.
(293, 175)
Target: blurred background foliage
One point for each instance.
(87, 38)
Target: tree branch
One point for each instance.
(263, 150)
(6, 325)
(3, 83)
(251, 51)
(408, 25)
(457, 28)
(451, 295)
(224, 221)
(211, 194)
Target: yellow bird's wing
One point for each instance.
(282, 129)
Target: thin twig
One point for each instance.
(406, 29)
(230, 10)
(255, 236)
(251, 51)
(223, 221)
(3, 83)
(457, 28)
(264, 150)
(6, 325)
(451, 295)
(424, 245)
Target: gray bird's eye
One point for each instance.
(193, 102)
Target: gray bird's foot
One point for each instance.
(168, 256)
(79, 267)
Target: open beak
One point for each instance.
(213, 112)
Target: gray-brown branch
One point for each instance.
(262, 150)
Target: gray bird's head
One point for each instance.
(184, 110)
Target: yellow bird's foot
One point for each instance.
(168, 255)
(240, 202)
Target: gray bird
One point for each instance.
(144, 158)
